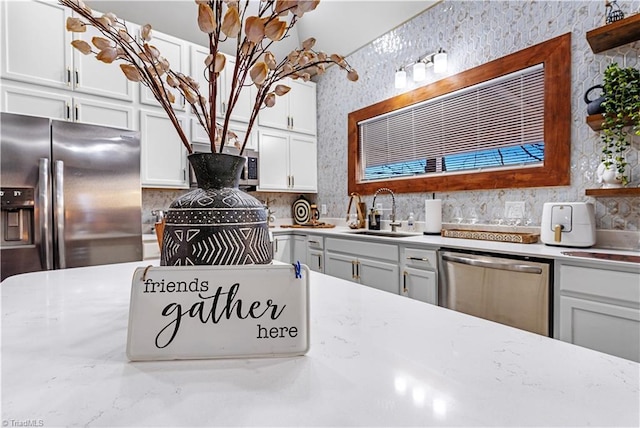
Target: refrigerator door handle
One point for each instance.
(44, 205)
(59, 211)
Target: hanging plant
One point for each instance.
(621, 116)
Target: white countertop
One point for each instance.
(436, 241)
(376, 359)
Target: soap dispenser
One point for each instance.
(374, 219)
(411, 223)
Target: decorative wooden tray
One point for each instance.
(519, 238)
(320, 225)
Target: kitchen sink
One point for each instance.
(385, 233)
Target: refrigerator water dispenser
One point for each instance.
(16, 216)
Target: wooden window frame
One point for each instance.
(555, 54)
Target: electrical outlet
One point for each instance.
(323, 209)
(514, 209)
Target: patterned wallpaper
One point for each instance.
(475, 32)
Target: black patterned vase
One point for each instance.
(217, 223)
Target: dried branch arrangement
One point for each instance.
(255, 64)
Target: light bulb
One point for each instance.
(401, 79)
(419, 71)
(440, 62)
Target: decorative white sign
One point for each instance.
(189, 312)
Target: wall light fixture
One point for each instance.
(437, 60)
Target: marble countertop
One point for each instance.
(376, 359)
(436, 241)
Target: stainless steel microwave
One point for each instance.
(249, 176)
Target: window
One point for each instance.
(502, 124)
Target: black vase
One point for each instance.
(217, 223)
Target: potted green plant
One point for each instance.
(216, 223)
(621, 118)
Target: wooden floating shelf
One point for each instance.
(595, 121)
(622, 191)
(616, 34)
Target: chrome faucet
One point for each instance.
(393, 223)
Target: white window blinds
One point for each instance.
(500, 113)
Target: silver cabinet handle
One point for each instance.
(405, 274)
(44, 205)
(420, 259)
(59, 211)
(515, 266)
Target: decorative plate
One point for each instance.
(301, 211)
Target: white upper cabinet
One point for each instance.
(94, 77)
(246, 99)
(176, 52)
(36, 49)
(288, 162)
(164, 158)
(295, 111)
(33, 100)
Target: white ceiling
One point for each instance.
(339, 26)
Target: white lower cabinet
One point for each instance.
(368, 263)
(315, 253)
(418, 267)
(282, 248)
(599, 309)
(299, 249)
(164, 158)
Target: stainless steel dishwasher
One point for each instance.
(510, 290)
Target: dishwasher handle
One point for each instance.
(515, 266)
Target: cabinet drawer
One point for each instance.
(363, 249)
(315, 242)
(419, 258)
(610, 284)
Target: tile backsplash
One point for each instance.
(473, 33)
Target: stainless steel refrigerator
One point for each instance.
(70, 195)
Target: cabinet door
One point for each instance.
(94, 77)
(299, 249)
(315, 260)
(420, 285)
(601, 326)
(303, 163)
(175, 51)
(302, 107)
(340, 265)
(278, 115)
(164, 158)
(198, 55)
(35, 43)
(103, 113)
(274, 160)
(23, 100)
(242, 110)
(282, 248)
(380, 275)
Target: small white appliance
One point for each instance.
(568, 224)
